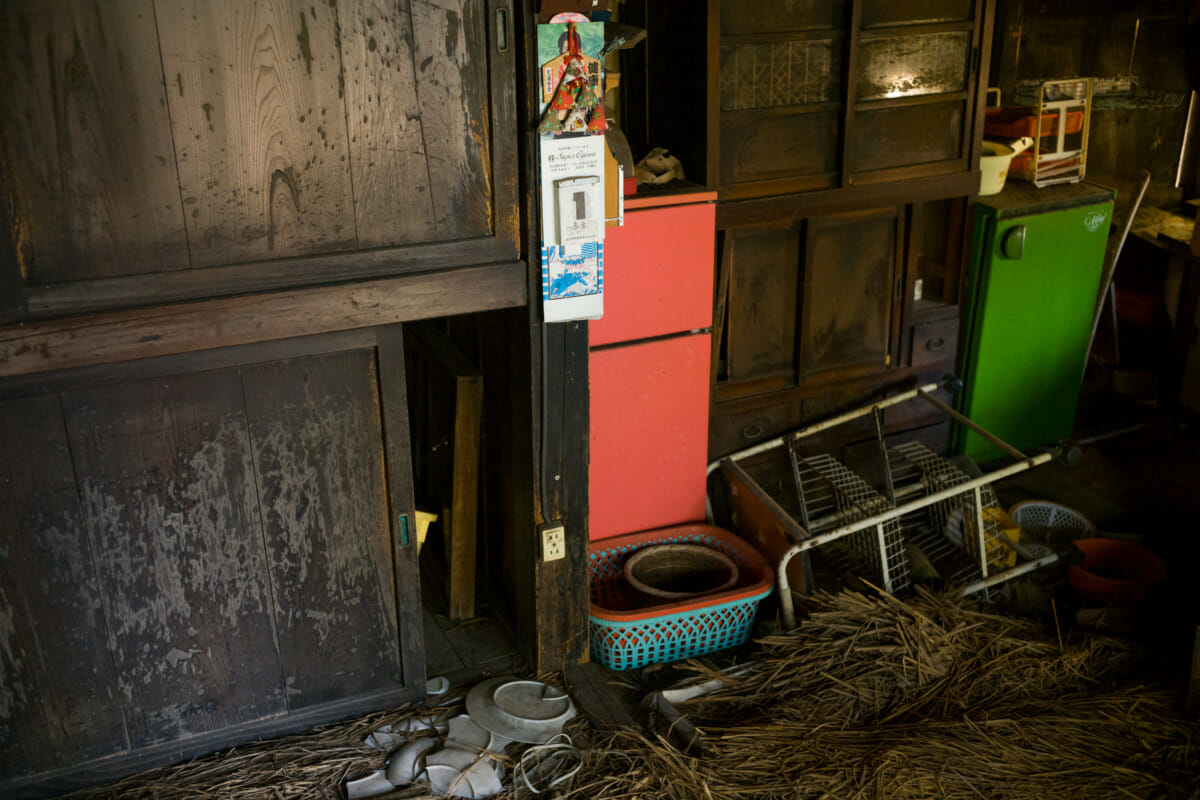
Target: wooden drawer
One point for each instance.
(933, 342)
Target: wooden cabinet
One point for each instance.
(156, 150)
(816, 95)
(823, 306)
(842, 138)
(200, 550)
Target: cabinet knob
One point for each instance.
(752, 431)
(936, 343)
(1013, 245)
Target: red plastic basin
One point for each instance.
(1115, 572)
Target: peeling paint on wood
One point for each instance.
(317, 436)
(168, 490)
(56, 681)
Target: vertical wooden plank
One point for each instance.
(316, 433)
(87, 141)
(397, 452)
(450, 46)
(255, 91)
(58, 702)
(849, 89)
(167, 485)
(468, 430)
(393, 201)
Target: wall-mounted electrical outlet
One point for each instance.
(554, 541)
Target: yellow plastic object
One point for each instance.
(1007, 526)
(423, 520)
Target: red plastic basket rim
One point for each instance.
(754, 559)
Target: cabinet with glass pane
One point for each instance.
(802, 95)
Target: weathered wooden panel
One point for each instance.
(393, 201)
(450, 48)
(762, 303)
(168, 489)
(904, 12)
(772, 16)
(256, 98)
(848, 290)
(908, 135)
(87, 141)
(318, 453)
(58, 700)
(168, 330)
(759, 147)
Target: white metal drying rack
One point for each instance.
(876, 518)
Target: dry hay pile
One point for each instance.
(878, 698)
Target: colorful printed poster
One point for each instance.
(573, 281)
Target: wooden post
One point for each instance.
(461, 524)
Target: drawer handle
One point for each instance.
(935, 344)
(752, 431)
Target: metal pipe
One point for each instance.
(762, 447)
(980, 541)
(1111, 270)
(1009, 574)
(785, 590)
(962, 420)
(884, 571)
(916, 505)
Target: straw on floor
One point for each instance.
(878, 698)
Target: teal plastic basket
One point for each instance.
(626, 633)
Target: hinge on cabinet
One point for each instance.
(976, 57)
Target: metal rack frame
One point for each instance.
(839, 506)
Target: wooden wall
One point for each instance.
(1107, 39)
(180, 138)
(193, 557)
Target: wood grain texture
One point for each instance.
(397, 450)
(168, 489)
(256, 99)
(168, 330)
(58, 701)
(450, 45)
(761, 339)
(393, 196)
(848, 286)
(452, 404)
(316, 432)
(87, 141)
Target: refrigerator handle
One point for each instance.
(1013, 244)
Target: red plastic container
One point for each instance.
(1115, 572)
(1017, 121)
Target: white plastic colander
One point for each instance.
(1059, 522)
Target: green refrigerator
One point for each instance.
(1036, 260)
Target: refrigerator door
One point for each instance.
(1032, 293)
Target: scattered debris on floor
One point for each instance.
(465, 756)
(870, 697)
(504, 732)
(879, 698)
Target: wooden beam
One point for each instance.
(169, 330)
(468, 431)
